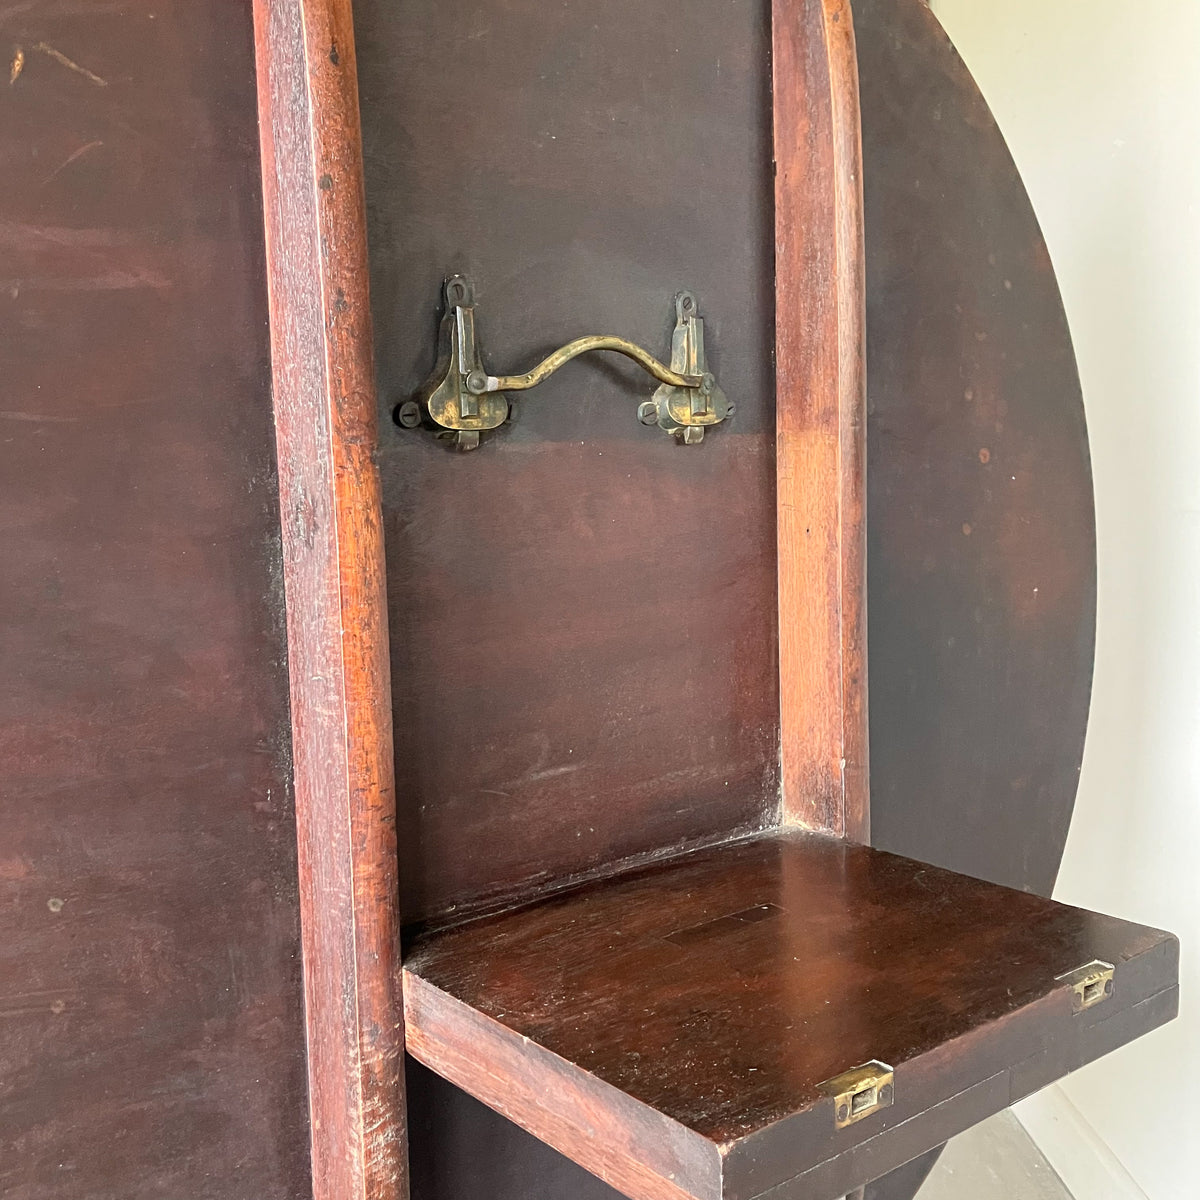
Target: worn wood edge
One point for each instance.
(821, 421)
(959, 1064)
(1031, 1043)
(325, 419)
(619, 1139)
(996, 1064)
(896, 1147)
(875, 1157)
(1034, 1055)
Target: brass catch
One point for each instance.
(1090, 984)
(462, 401)
(859, 1092)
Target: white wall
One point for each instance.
(1100, 103)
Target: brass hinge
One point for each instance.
(1090, 984)
(859, 1092)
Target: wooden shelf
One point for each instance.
(670, 1029)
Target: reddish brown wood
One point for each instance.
(820, 417)
(583, 613)
(151, 1008)
(670, 1029)
(333, 576)
(145, 589)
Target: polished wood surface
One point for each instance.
(146, 706)
(670, 1029)
(820, 486)
(583, 613)
(151, 1008)
(326, 433)
(442, 1167)
(981, 779)
(981, 527)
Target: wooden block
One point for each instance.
(673, 1029)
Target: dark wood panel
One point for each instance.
(980, 684)
(151, 1003)
(982, 538)
(465, 1149)
(670, 1029)
(326, 434)
(583, 613)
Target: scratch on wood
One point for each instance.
(60, 57)
(37, 418)
(18, 65)
(62, 166)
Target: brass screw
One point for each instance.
(408, 415)
(647, 412)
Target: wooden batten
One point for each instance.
(821, 417)
(325, 420)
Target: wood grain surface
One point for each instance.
(159, 1042)
(821, 441)
(452, 1125)
(151, 1008)
(325, 422)
(981, 573)
(583, 612)
(671, 1029)
(981, 527)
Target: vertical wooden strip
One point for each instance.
(820, 318)
(325, 420)
(852, 405)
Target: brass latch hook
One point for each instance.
(462, 401)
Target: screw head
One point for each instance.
(647, 412)
(707, 383)
(477, 383)
(842, 1113)
(408, 414)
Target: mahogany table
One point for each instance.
(551, 758)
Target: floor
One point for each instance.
(994, 1161)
